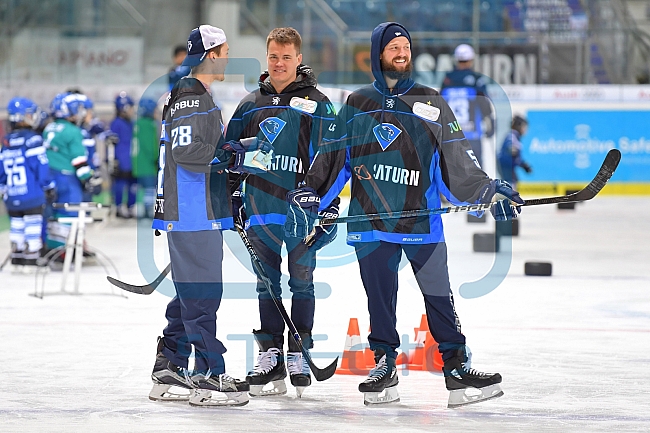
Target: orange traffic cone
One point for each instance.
(432, 356)
(352, 361)
(416, 358)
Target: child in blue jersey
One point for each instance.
(24, 181)
(510, 155)
(122, 172)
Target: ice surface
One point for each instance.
(573, 349)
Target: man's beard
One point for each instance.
(391, 71)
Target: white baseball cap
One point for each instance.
(201, 40)
(464, 53)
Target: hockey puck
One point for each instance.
(486, 243)
(507, 228)
(540, 269)
(476, 220)
(568, 206)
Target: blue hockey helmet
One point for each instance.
(122, 101)
(147, 107)
(65, 105)
(19, 108)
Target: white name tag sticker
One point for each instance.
(426, 112)
(304, 105)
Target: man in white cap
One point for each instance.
(465, 92)
(193, 207)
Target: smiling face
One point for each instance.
(282, 61)
(396, 59)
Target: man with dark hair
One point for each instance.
(193, 207)
(292, 114)
(405, 147)
(179, 70)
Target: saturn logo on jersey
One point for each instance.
(386, 133)
(362, 172)
(271, 128)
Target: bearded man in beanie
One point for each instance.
(403, 147)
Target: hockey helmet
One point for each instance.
(518, 121)
(147, 107)
(67, 105)
(22, 110)
(123, 101)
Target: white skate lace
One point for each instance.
(186, 374)
(297, 363)
(379, 371)
(267, 360)
(224, 378)
(467, 369)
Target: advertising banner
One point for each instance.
(569, 146)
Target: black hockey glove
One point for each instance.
(50, 195)
(322, 235)
(527, 168)
(505, 195)
(302, 213)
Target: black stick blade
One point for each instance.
(147, 289)
(602, 177)
(321, 374)
(590, 191)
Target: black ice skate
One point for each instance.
(267, 377)
(467, 385)
(166, 375)
(297, 364)
(219, 390)
(381, 384)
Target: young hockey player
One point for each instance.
(68, 160)
(405, 147)
(510, 156)
(292, 114)
(145, 154)
(122, 171)
(193, 207)
(25, 182)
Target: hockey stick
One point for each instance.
(319, 374)
(147, 289)
(587, 193)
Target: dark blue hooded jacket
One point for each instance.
(402, 147)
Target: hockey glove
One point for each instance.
(50, 195)
(322, 235)
(93, 184)
(251, 155)
(502, 192)
(302, 213)
(238, 209)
